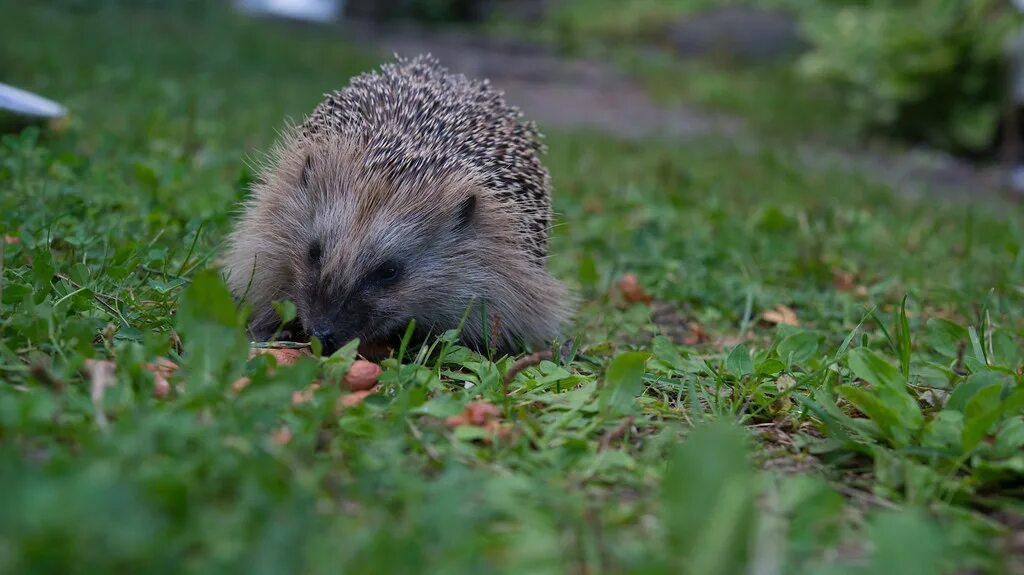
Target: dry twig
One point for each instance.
(615, 433)
(525, 362)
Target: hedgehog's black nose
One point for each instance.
(324, 331)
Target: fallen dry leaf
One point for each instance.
(12, 240)
(162, 369)
(498, 430)
(354, 398)
(239, 384)
(785, 382)
(697, 334)
(631, 290)
(485, 415)
(781, 314)
(729, 341)
(675, 325)
(362, 375)
(843, 280)
(282, 436)
(480, 412)
(477, 413)
(784, 402)
(304, 395)
(108, 332)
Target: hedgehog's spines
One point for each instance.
(413, 112)
(382, 169)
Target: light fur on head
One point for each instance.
(453, 236)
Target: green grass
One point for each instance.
(772, 99)
(875, 437)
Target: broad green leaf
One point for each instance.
(1014, 402)
(570, 400)
(814, 513)
(887, 419)
(208, 299)
(945, 336)
(623, 382)
(875, 370)
(337, 365)
(977, 350)
(667, 351)
(1010, 439)
(471, 433)
(907, 542)
(798, 347)
(890, 390)
(440, 407)
(944, 431)
(824, 407)
(1006, 352)
(963, 392)
(708, 501)
(903, 341)
(981, 413)
(770, 366)
(738, 362)
(213, 335)
(42, 270)
(285, 311)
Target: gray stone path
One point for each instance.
(563, 93)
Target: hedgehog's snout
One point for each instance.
(323, 330)
(330, 330)
(335, 323)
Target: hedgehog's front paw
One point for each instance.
(263, 325)
(293, 331)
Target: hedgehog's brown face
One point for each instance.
(338, 305)
(377, 254)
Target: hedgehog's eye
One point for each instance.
(315, 254)
(387, 273)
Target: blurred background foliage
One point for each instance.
(926, 72)
(922, 71)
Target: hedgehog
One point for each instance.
(414, 196)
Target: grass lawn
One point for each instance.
(827, 378)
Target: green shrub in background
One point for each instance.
(926, 70)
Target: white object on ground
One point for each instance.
(311, 10)
(25, 103)
(1017, 179)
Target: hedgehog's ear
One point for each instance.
(306, 168)
(466, 211)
